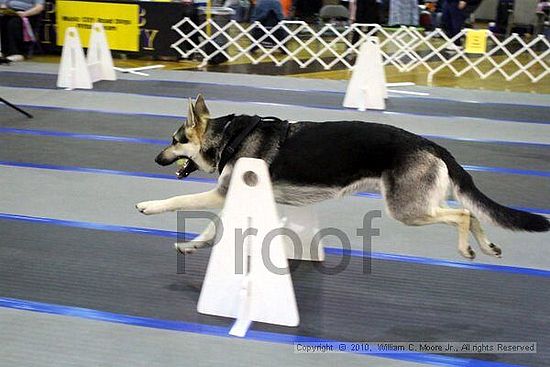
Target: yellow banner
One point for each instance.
(476, 41)
(121, 22)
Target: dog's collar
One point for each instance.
(231, 147)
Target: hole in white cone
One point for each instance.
(250, 178)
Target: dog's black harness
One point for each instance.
(231, 147)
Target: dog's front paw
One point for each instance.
(151, 207)
(185, 248)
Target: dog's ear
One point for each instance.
(201, 111)
(190, 123)
(198, 113)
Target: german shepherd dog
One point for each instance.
(317, 161)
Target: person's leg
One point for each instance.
(458, 19)
(269, 22)
(3, 35)
(453, 20)
(14, 36)
(446, 18)
(502, 16)
(376, 12)
(393, 12)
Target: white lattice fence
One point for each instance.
(330, 46)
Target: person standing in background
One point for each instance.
(14, 13)
(363, 12)
(454, 16)
(269, 13)
(504, 8)
(265, 8)
(404, 12)
(455, 13)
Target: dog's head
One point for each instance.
(188, 140)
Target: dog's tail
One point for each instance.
(482, 206)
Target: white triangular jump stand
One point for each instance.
(100, 61)
(246, 288)
(73, 70)
(367, 86)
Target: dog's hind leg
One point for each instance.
(460, 218)
(414, 194)
(486, 246)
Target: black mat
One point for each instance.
(136, 275)
(432, 107)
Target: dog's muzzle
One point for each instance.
(162, 160)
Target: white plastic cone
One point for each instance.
(242, 288)
(367, 86)
(73, 70)
(100, 61)
(379, 70)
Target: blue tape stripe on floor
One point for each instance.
(532, 210)
(154, 115)
(99, 226)
(206, 180)
(95, 110)
(439, 262)
(122, 139)
(488, 119)
(510, 171)
(103, 171)
(525, 209)
(490, 141)
(87, 170)
(7, 130)
(63, 134)
(220, 331)
(329, 250)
